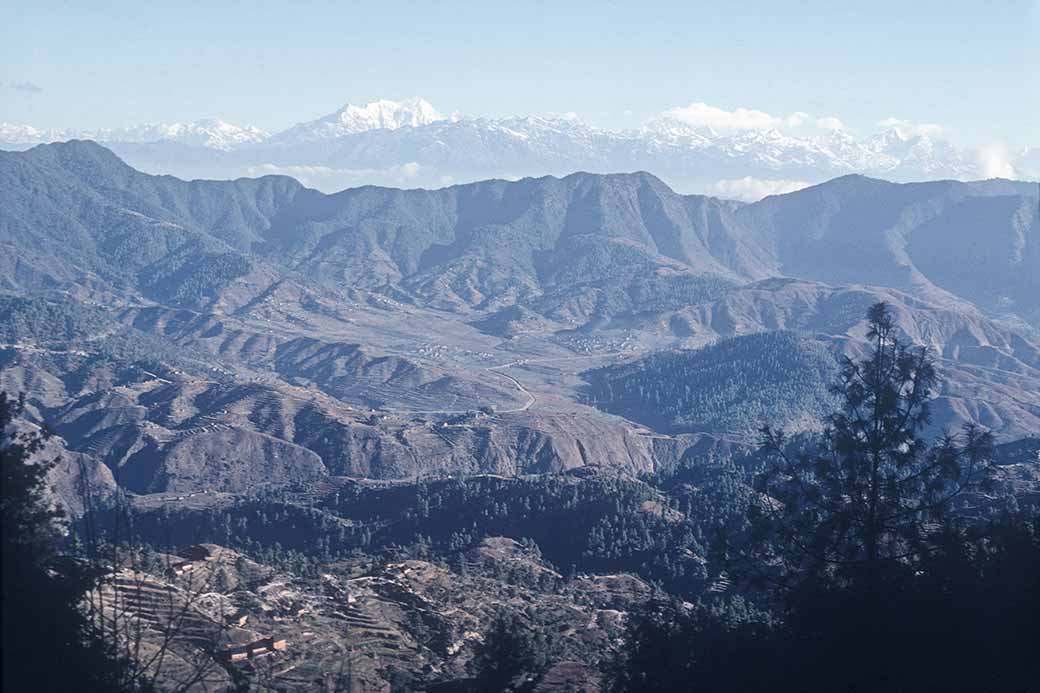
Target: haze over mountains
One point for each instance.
(411, 144)
(219, 335)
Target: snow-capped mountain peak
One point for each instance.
(673, 128)
(375, 115)
(385, 115)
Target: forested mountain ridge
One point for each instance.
(397, 310)
(496, 242)
(739, 384)
(978, 242)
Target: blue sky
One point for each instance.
(969, 67)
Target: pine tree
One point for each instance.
(871, 493)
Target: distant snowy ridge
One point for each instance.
(211, 133)
(11, 133)
(411, 143)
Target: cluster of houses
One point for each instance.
(257, 648)
(199, 554)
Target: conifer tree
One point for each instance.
(872, 493)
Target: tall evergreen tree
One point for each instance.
(872, 493)
(48, 644)
(881, 587)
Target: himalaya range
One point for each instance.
(411, 144)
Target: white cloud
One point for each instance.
(748, 189)
(702, 115)
(329, 179)
(907, 128)
(830, 123)
(994, 161)
(796, 119)
(1027, 163)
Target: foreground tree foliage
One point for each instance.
(964, 620)
(881, 579)
(512, 655)
(49, 645)
(872, 494)
(675, 647)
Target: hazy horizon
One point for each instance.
(959, 72)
